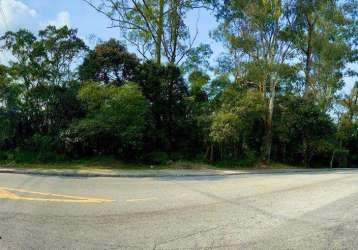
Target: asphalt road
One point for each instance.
(269, 211)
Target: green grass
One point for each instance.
(88, 164)
(108, 163)
(158, 160)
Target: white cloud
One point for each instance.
(15, 14)
(62, 19)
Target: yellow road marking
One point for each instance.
(8, 193)
(144, 199)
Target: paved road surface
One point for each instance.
(269, 211)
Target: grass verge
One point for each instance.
(113, 164)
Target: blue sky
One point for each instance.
(34, 14)
(89, 22)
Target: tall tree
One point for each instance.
(324, 34)
(48, 58)
(9, 106)
(254, 33)
(156, 28)
(236, 122)
(166, 90)
(109, 62)
(42, 70)
(348, 125)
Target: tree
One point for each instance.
(41, 83)
(198, 112)
(254, 33)
(324, 33)
(235, 124)
(166, 90)
(115, 122)
(109, 62)
(348, 125)
(350, 102)
(302, 131)
(49, 109)
(198, 80)
(156, 28)
(9, 91)
(271, 95)
(9, 107)
(47, 59)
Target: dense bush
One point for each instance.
(115, 122)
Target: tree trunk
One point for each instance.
(332, 159)
(212, 152)
(307, 87)
(175, 23)
(268, 136)
(207, 152)
(308, 66)
(160, 29)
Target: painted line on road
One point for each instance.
(143, 199)
(8, 193)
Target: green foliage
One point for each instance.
(43, 59)
(155, 28)
(234, 124)
(198, 58)
(270, 97)
(166, 90)
(115, 122)
(225, 127)
(247, 159)
(110, 63)
(27, 156)
(324, 35)
(9, 107)
(302, 131)
(198, 80)
(156, 157)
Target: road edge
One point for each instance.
(163, 173)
